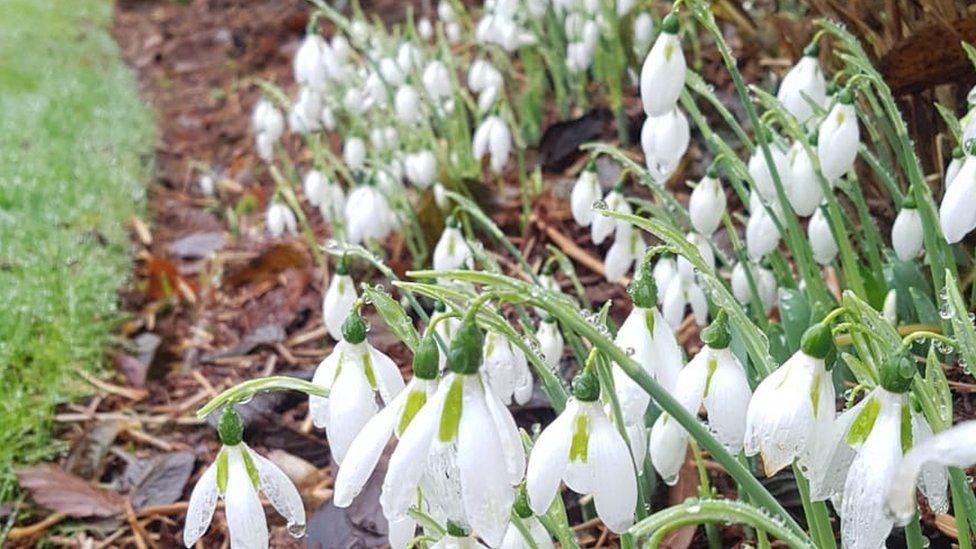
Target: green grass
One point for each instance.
(74, 153)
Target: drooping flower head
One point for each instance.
(804, 84)
(663, 74)
(237, 477)
(838, 137)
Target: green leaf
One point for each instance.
(394, 316)
(936, 378)
(962, 325)
(925, 311)
(951, 121)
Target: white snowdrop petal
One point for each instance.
(662, 75)
(618, 261)
(673, 306)
(907, 234)
(803, 187)
(615, 489)
(548, 460)
(365, 451)
(280, 490)
(325, 373)
(934, 479)
(836, 457)
(485, 489)
(245, 515)
(389, 381)
(408, 460)
(337, 304)
(203, 502)
(956, 213)
(706, 206)
(508, 435)
(864, 523)
(351, 404)
(401, 531)
(585, 192)
(821, 239)
(727, 400)
(668, 448)
(837, 141)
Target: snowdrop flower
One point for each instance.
(280, 219)
(207, 184)
(492, 138)
(354, 153)
(354, 373)
(665, 269)
(950, 448)
(506, 370)
(765, 285)
(236, 477)
(821, 238)
(268, 125)
(578, 57)
(762, 234)
(906, 232)
(583, 449)
(339, 300)
(551, 342)
(715, 380)
(762, 178)
(663, 74)
(514, 539)
(604, 226)
(368, 215)
(664, 140)
(484, 80)
(791, 413)
(956, 213)
(452, 250)
(407, 103)
(649, 340)
(548, 282)
(437, 80)
(306, 114)
(409, 58)
(440, 196)
(643, 31)
(391, 72)
(452, 31)
(803, 186)
(889, 310)
(952, 170)
(421, 168)
(309, 65)
(838, 138)
(425, 29)
(805, 80)
(586, 191)
(463, 448)
(365, 451)
(627, 248)
(682, 290)
(864, 522)
(707, 204)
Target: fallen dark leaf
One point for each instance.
(197, 245)
(60, 491)
(929, 57)
(85, 459)
(274, 260)
(136, 368)
(560, 144)
(164, 279)
(162, 480)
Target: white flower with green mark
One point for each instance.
(803, 185)
(683, 290)
(664, 70)
(664, 141)
(802, 85)
(714, 380)
(339, 300)
(822, 241)
(762, 176)
(604, 226)
(907, 232)
(280, 220)
(355, 373)
(584, 450)
(237, 477)
(368, 215)
(838, 138)
(765, 283)
(551, 343)
(791, 412)
(506, 370)
(628, 248)
(367, 448)
(586, 191)
(452, 250)
(462, 449)
(492, 138)
(707, 204)
(648, 338)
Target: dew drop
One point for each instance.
(599, 205)
(296, 530)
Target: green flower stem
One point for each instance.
(913, 534)
(524, 530)
(247, 389)
(571, 317)
(716, 511)
(426, 522)
(816, 513)
(705, 491)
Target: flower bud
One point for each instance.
(907, 233)
(707, 205)
(586, 387)
(663, 73)
(817, 341)
(426, 358)
(464, 355)
(838, 138)
(717, 335)
(897, 374)
(230, 426)
(821, 238)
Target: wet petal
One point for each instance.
(200, 511)
(615, 489)
(280, 491)
(245, 515)
(548, 460)
(365, 451)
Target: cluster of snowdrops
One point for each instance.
(419, 107)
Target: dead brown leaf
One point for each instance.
(60, 491)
